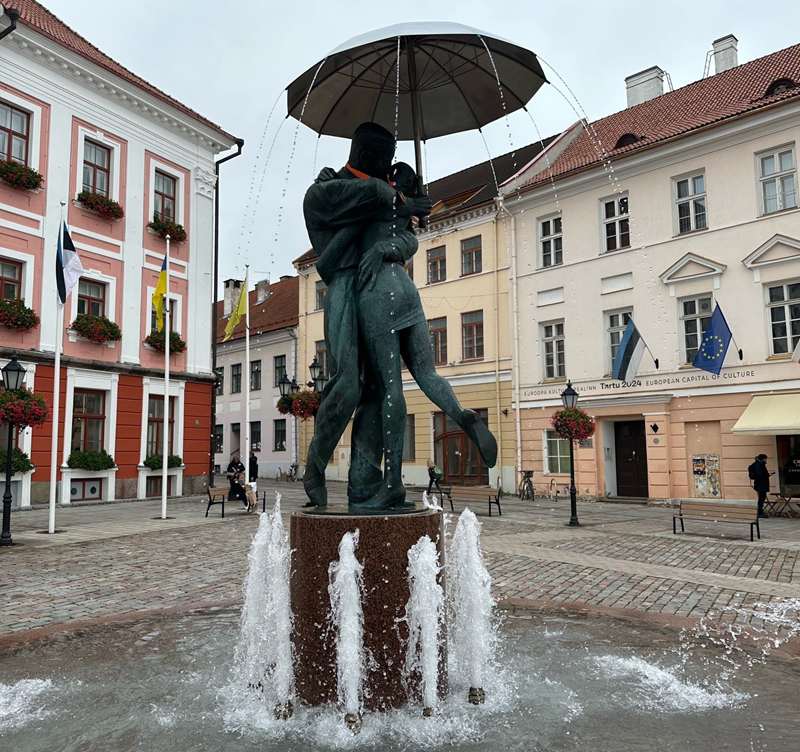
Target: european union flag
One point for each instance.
(714, 345)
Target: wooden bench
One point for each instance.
(718, 511)
(473, 494)
(217, 495)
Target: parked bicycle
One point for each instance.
(525, 491)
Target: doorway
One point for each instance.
(630, 448)
(456, 455)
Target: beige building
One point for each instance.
(461, 270)
(683, 201)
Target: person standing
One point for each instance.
(759, 474)
(252, 470)
(234, 472)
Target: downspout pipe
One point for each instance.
(13, 16)
(215, 285)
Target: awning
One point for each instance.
(775, 414)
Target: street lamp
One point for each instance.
(315, 369)
(569, 397)
(284, 385)
(13, 376)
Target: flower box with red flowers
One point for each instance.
(101, 205)
(305, 403)
(20, 176)
(163, 227)
(22, 408)
(157, 341)
(97, 329)
(573, 423)
(14, 314)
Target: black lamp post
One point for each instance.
(318, 377)
(570, 398)
(13, 376)
(284, 386)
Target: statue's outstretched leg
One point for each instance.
(366, 444)
(418, 356)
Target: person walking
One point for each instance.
(759, 474)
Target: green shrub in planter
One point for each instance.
(101, 460)
(164, 227)
(107, 208)
(154, 461)
(20, 462)
(14, 314)
(20, 176)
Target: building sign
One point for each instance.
(689, 378)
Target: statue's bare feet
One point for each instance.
(314, 485)
(476, 429)
(386, 498)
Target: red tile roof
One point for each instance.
(279, 311)
(706, 103)
(41, 20)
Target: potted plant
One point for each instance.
(14, 314)
(163, 227)
(105, 207)
(21, 408)
(20, 176)
(305, 403)
(285, 404)
(97, 329)
(155, 461)
(90, 460)
(573, 423)
(20, 462)
(157, 341)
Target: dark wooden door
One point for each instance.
(456, 455)
(631, 450)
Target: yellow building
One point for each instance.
(461, 270)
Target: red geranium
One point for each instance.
(573, 423)
(305, 404)
(22, 408)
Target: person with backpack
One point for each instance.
(759, 475)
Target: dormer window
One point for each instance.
(779, 86)
(627, 139)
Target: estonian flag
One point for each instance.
(714, 345)
(629, 354)
(159, 294)
(68, 264)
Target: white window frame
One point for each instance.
(111, 300)
(609, 330)
(761, 180)
(604, 221)
(317, 289)
(114, 170)
(785, 305)
(28, 262)
(546, 454)
(179, 189)
(177, 314)
(689, 199)
(99, 381)
(696, 316)
(35, 124)
(544, 340)
(551, 238)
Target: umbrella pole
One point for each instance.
(415, 110)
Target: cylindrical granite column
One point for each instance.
(383, 547)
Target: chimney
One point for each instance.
(644, 85)
(232, 287)
(262, 290)
(725, 53)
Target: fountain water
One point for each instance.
(472, 629)
(347, 619)
(423, 617)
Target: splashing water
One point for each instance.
(430, 501)
(424, 619)
(18, 702)
(347, 619)
(472, 638)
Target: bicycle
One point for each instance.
(525, 491)
(292, 474)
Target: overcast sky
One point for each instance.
(230, 61)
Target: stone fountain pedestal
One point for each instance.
(384, 541)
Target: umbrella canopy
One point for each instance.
(447, 82)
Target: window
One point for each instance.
(85, 490)
(557, 453)
(14, 134)
(153, 486)
(88, 420)
(278, 369)
(164, 194)
(409, 440)
(777, 176)
(320, 290)
(690, 200)
(472, 335)
(784, 314)
(471, 256)
(218, 438)
(438, 331)
(279, 435)
(96, 168)
(91, 297)
(220, 382)
(437, 265)
(173, 318)
(236, 378)
(410, 267)
(321, 352)
(155, 425)
(696, 315)
(255, 375)
(616, 227)
(255, 435)
(550, 242)
(617, 321)
(236, 437)
(10, 279)
(553, 338)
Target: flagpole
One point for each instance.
(247, 372)
(51, 521)
(165, 435)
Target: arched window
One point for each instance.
(779, 86)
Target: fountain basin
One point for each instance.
(383, 545)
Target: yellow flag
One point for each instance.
(237, 313)
(158, 296)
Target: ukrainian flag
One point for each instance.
(158, 296)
